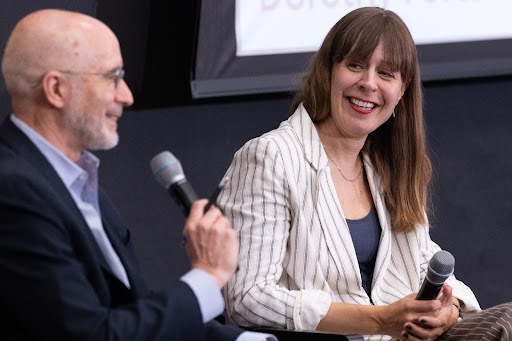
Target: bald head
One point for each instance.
(53, 40)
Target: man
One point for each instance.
(67, 266)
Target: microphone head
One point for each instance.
(167, 169)
(440, 267)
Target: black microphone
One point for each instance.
(440, 268)
(169, 173)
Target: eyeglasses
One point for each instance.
(116, 74)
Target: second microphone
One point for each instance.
(169, 173)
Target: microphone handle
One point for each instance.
(184, 195)
(428, 291)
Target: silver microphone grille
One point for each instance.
(167, 169)
(440, 267)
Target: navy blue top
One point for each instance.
(365, 234)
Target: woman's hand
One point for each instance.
(396, 315)
(434, 323)
(405, 319)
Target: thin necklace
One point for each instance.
(339, 170)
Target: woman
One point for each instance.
(330, 207)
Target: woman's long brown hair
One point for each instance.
(397, 148)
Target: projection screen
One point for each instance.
(263, 46)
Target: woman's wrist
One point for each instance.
(383, 318)
(458, 309)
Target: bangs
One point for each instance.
(365, 34)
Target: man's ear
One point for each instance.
(56, 88)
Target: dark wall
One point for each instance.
(469, 126)
(470, 135)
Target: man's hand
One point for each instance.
(211, 243)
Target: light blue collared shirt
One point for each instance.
(81, 180)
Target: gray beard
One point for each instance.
(92, 132)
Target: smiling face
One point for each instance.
(59, 68)
(363, 94)
(96, 103)
(92, 118)
(94, 108)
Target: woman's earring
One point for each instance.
(394, 114)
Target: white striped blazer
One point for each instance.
(296, 253)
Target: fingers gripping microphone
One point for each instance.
(169, 173)
(440, 268)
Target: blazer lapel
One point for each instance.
(329, 212)
(120, 239)
(384, 252)
(338, 238)
(396, 253)
(23, 146)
